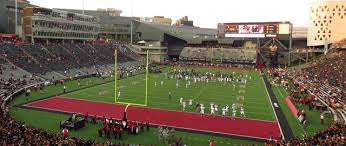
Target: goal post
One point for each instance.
(115, 74)
(116, 98)
(146, 78)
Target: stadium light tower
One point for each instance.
(83, 6)
(131, 22)
(15, 16)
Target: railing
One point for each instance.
(321, 99)
(9, 97)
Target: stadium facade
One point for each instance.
(42, 24)
(112, 27)
(167, 42)
(158, 20)
(327, 22)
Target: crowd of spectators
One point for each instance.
(325, 77)
(17, 56)
(205, 54)
(333, 136)
(211, 46)
(40, 59)
(209, 64)
(236, 44)
(341, 44)
(10, 85)
(13, 132)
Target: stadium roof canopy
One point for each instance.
(189, 34)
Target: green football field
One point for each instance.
(133, 89)
(256, 104)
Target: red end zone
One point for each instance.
(259, 129)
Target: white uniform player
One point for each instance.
(181, 100)
(216, 109)
(211, 107)
(224, 111)
(184, 104)
(233, 106)
(242, 113)
(161, 83)
(202, 109)
(190, 102)
(212, 110)
(119, 94)
(234, 113)
(155, 84)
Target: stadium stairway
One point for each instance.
(32, 57)
(285, 128)
(72, 73)
(18, 73)
(133, 54)
(98, 52)
(341, 113)
(134, 50)
(50, 75)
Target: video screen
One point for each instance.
(248, 29)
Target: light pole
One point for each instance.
(83, 6)
(15, 16)
(131, 22)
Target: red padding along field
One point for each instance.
(252, 128)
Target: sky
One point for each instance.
(204, 13)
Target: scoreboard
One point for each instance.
(272, 28)
(254, 30)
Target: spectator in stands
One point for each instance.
(334, 135)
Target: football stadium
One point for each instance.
(76, 76)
